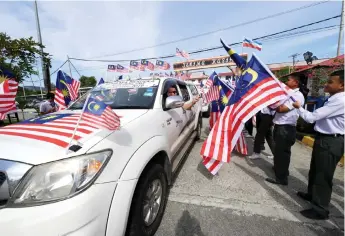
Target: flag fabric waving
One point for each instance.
(8, 92)
(112, 68)
(66, 90)
(122, 69)
(100, 114)
(213, 91)
(163, 65)
(147, 64)
(4, 86)
(101, 81)
(249, 43)
(182, 53)
(134, 65)
(257, 88)
(56, 129)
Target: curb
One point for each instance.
(309, 141)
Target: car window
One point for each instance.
(123, 95)
(193, 89)
(185, 93)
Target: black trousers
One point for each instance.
(327, 152)
(284, 137)
(249, 126)
(264, 131)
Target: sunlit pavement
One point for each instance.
(240, 202)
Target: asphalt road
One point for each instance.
(240, 202)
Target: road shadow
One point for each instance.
(290, 191)
(188, 226)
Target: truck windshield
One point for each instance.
(136, 94)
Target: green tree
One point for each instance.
(86, 81)
(21, 55)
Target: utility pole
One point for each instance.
(341, 28)
(45, 70)
(293, 59)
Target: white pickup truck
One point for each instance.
(114, 182)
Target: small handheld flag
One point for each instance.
(249, 43)
(101, 81)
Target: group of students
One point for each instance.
(328, 145)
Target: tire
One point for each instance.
(198, 129)
(136, 223)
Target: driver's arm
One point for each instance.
(189, 105)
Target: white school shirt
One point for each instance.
(290, 117)
(328, 119)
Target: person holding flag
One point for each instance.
(257, 88)
(285, 121)
(328, 147)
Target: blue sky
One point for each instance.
(86, 29)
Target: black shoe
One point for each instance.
(274, 181)
(304, 196)
(313, 215)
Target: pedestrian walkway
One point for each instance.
(240, 188)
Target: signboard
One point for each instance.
(212, 62)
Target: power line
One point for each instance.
(274, 38)
(218, 30)
(213, 48)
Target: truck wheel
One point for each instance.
(198, 129)
(148, 203)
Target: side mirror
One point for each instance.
(174, 102)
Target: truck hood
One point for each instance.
(45, 139)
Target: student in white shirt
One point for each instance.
(48, 106)
(284, 133)
(328, 146)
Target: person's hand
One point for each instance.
(296, 105)
(195, 100)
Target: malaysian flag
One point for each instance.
(182, 53)
(112, 68)
(147, 64)
(56, 129)
(100, 115)
(121, 69)
(66, 90)
(211, 78)
(213, 91)
(257, 88)
(8, 92)
(135, 65)
(162, 65)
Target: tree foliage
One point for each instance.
(21, 55)
(87, 81)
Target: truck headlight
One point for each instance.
(59, 180)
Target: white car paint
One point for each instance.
(102, 208)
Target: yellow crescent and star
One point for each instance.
(95, 107)
(224, 99)
(2, 78)
(64, 91)
(253, 73)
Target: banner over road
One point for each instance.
(212, 62)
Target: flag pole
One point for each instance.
(273, 76)
(78, 122)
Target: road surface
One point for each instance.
(240, 202)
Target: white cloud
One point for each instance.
(85, 29)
